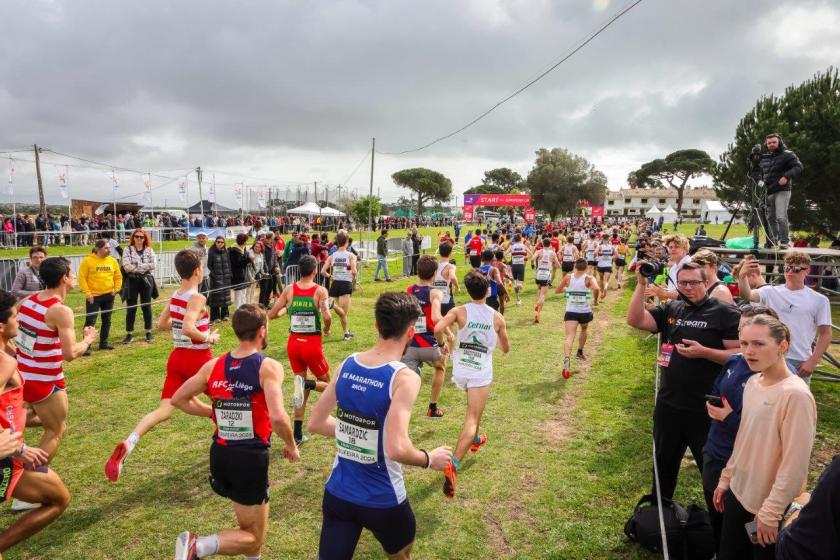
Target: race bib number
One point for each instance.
(341, 272)
(518, 259)
(420, 325)
(665, 353)
(543, 274)
(26, 339)
(473, 253)
(472, 355)
(578, 298)
(234, 419)
(178, 336)
(568, 258)
(303, 323)
(356, 437)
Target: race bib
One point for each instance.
(303, 323)
(473, 253)
(178, 336)
(518, 259)
(665, 353)
(568, 258)
(420, 325)
(543, 274)
(472, 355)
(356, 437)
(25, 340)
(341, 272)
(234, 419)
(578, 298)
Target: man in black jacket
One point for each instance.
(781, 167)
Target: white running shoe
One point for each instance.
(20, 505)
(185, 546)
(299, 390)
(519, 302)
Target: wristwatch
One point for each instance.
(791, 508)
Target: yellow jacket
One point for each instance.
(99, 276)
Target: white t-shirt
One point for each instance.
(802, 311)
(671, 284)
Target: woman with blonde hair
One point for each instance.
(139, 262)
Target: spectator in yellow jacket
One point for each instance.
(100, 279)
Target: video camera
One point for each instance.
(755, 168)
(651, 268)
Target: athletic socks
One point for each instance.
(207, 546)
(298, 429)
(456, 462)
(476, 438)
(131, 441)
(309, 384)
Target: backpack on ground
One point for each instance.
(687, 530)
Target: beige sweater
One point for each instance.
(773, 447)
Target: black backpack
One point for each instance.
(688, 530)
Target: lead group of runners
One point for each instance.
(366, 406)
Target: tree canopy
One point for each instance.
(366, 204)
(559, 179)
(426, 183)
(808, 118)
(674, 170)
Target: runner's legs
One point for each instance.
(52, 412)
(569, 340)
(45, 488)
(249, 538)
(476, 401)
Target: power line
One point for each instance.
(358, 165)
(588, 39)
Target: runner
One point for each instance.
(518, 255)
(424, 347)
(307, 306)
(374, 393)
(246, 388)
(480, 329)
(189, 322)
(446, 280)
(605, 255)
(36, 484)
(622, 251)
(577, 238)
(570, 255)
(341, 268)
(493, 277)
(590, 248)
(580, 289)
(504, 273)
(474, 248)
(546, 260)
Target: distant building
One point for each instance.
(636, 202)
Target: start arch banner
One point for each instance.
(497, 200)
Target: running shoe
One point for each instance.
(567, 366)
(449, 480)
(299, 390)
(128, 338)
(185, 546)
(20, 505)
(303, 439)
(348, 335)
(113, 467)
(580, 355)
(476, 445)
(519, 302)
(436, 413)
(148, 336)
(536, 319)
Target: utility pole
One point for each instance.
(200, 195)
(338, 199)
(370, 200)
(40, 184)
(316, 192)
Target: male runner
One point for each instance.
(605, 255)
(518, 255)
(189, 322)
(480, 329)
(374, 394)
(424, 346)
(590, 248)
(474, 248)
(306, 303)
(446, 280)
(341, 268)
(546, 260)
(46, 338)
(493, 277)
(579, 288)
(622, 251)
(570, 255)
(36, 484)
(246, 388)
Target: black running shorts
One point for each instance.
(605, 269)
(475, 261)
(340, 288)
(582, 318)
(592, 263)
(343, 522)
(620, 262)
(239, 473)
(446, 308)
(567, 266)
(518, 271)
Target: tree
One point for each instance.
(367, 206)
(504, 179)
(559, 179)
(428, 184)
(808, 118)
(674, 170)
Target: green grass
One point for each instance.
(565, 463)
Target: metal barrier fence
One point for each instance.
(9, 240)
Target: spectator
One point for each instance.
(382, 256)
(782, 167)
(698, 335)
(677, 257)
(714, 287)
(114, 249)
(407, 251)
(256, 270)
(806, 312)
(200, 245)
(416, 242)
(239, 260)
(769, 463)
(28, 279)
(221, 278)
(139, 262)
(100, 279)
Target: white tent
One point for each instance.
(654, 212)
(332, 212)
(312, 209)
(669, 214)
(713, 211)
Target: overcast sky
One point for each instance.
(287, 92)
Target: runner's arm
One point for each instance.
(436, 298)
(271, 381)
(501, 333)
(165, 319)
(194, 308)
(320, 419)
(279, 309)
(453, 279)
(184, 397)
(353, 266)
(61, 318)
(324, 305)
(596, 290)
(327, 268)
(440, 326)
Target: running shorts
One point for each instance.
(446, 308)
(340, 288)
(518, 271)
(343, 521)
(307, 352)
(475, 261)
(37, 391)
(582, 318)
(620, 262)
(239, 473)
(474, 380)
(11, 470)
(493, 302)
(416, 356)
(567, 266)
(182, 364)
(542, 283)
(592, 263)
(605, 269)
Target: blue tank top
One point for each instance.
(362, 474)
(424, 328)
(485, 270)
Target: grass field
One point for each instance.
(565, 463)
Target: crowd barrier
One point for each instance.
(10, 240)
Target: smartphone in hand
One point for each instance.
(714, 400)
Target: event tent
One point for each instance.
(312, 209)
(654, 212)
(210, 208)
(669, 214)
(713, 211)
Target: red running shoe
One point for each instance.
(436, 413)
(449, 480)
(476, 445)
(114, 465)
(185, 546)
(567, 365)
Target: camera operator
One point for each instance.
(699, 334)
(677, 257)
(781, 167)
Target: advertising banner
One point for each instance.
(497, 200)
(469, 213)
(530, 215)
